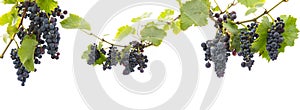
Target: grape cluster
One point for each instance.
(247, 37)
(224, 18)
(43, 26)
(93, 55)
(113, 57)
(134, 58)
(216, 50)
(22, 73)
(275, 38)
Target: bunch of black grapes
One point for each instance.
(220, 18)
(130, 58)
(247, 37)
(134, 58)
(275, 38)
(217, 51)
(44, 27)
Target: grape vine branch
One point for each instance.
(261, 15)
(244, 38)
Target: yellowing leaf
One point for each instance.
(47, 5)
(252, 3)
(124, 31)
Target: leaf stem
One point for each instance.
(101, 39)
(13, 39)
(271, 17)
(16, 43)
(264, 13)
(229, 6)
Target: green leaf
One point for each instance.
(5, 18)
(291, 31)
(47, 5)
(217, 8)
(75, 22)
(153, 34)
(86, 53)
(233, 31)
(12, 29)
(260, 43)
(9, 1)
(251, 3)
(179, 2)
(176, 27)
(143, 16)
(258, 5)
(101, 60)
(106, 35)
(26, 52)
(124, 31)
(166, 27)
(250, 11)
(100, 45)
(194, 12)
(166, 14)
(9, 17)
(5, 38)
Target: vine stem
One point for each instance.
(229, 6)
(13, 38)
(261, 15)
(101, 39)
(218, 5)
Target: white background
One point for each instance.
(271, 85)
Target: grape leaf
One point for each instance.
(179, 2)
(194, 12)
(124, 31)
(258, 5)
(166, 14)
(100, 45)
(233, 31)
(176, 27)
(102, 58)
(5, 18)
(86, 53)
(26, 52)
(9, 1)
(12, 29)
(153, 34)
(217, 8)
(143, 16)
(5, 37)
(291, 31)
(251, 3)
(75, 22)
(260, 43)
(47, 5)
(250, 11)
(166, 27)
(9, 17)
